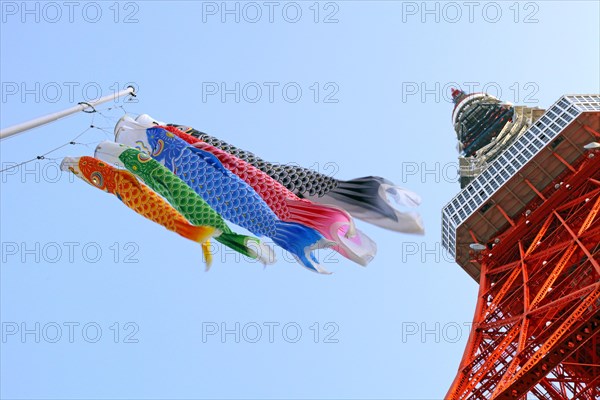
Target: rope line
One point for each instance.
(73, 142)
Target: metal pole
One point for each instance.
(34, 123)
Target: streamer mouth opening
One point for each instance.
(128, 130)
(110, 152)
(122, 122)
(147, 121)
(71, 164)
(135, 138)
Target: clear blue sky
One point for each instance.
(383, 70)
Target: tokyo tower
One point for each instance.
(526, 226)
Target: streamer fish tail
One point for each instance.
(336, 225)
(376, 200)
(248, 246)
(198, 234)
(301, 241)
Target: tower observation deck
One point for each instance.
(526, 226)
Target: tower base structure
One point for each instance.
(528, 229)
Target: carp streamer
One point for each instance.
(190, 183)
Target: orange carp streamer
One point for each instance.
(139, 198)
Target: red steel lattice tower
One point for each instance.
(526, 226)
